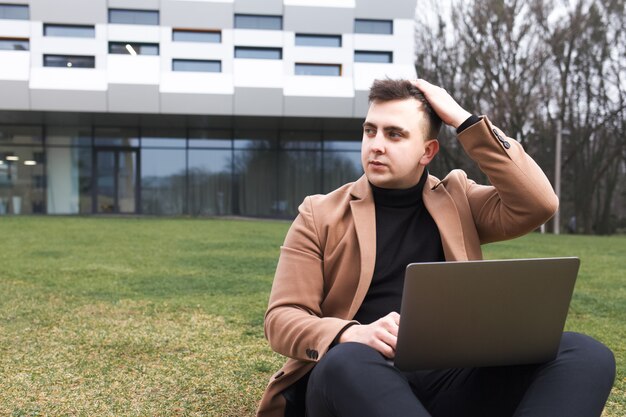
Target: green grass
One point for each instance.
(164, 317)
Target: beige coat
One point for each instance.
(327, 260)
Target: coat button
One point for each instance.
(495, 132)
(506, 144)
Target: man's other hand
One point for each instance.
(450, 112)
(381, 335)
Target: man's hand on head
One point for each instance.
(381, 335)
(450, 112)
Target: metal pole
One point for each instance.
(557, 174)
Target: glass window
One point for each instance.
(196, 65)
(14, 11)
(133, 48)
(69, 61)
(14, 44)
(296, 139)
(68, 172)
(21, 135)
(22, 180)
(318, 69)
(134, 17)
(163, 138)
(298, 176)
(210, 182)
(188, 35)
(339, 168)
(258, 53)
(201, 138)
(163, 176)
(76, 31)
(373, 56)
(380, 27)
(116, 136)
(255, 183)
(255, 139)
(249, 21)
(342, 141)
(318, 40)
(68, 136)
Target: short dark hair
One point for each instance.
(388, 90)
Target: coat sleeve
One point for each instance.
(294, 323)
(520, 198)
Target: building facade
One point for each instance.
(200, 107)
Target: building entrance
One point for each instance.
(116, 176)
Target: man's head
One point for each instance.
(389, 90)
(399, 134)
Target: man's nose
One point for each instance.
(378, 143)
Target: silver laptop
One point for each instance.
(483, 313)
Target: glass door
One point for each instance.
(117, 174)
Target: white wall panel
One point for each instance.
(69, 11)
(259, 73)
(133, 98)
(15, 94)
(261, 38)
(198, 14)
(135, 33)
(323, 20)
(128, 69)
(270, 7)
(253, 101)
(387, 9)
(15, 28)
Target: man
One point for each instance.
(334, 304)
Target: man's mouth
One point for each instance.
(375, 162)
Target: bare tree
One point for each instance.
(529, 64)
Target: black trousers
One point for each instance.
(353, 379)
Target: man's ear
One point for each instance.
(431, 147)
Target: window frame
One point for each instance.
(47, 26)
(93, 59)
(386, 21)
(206, 61)
(258, 48)
(374, 53)
(139, 12)
(237, 25)
(9, 6)
(15, 39)
(135, 46)
(318, 36)
(317, 65)
(196, 31)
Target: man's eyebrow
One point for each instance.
(395, 129)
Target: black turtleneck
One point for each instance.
(405, 233)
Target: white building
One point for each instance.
(188, 106)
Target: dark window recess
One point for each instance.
(134, 17)
(14, 11)
(333, 70)
(69, 61)
(264, 22)
(14, 44)
(196, 65)
(381, 27)
(258, 53)
(133, 48)
(75, 31)
(318, 40)
(188, 35)
(373, 56)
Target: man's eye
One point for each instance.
(395, 135)
(369, 131)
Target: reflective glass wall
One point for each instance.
(245, 170)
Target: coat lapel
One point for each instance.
(441, 207)
(364, 215)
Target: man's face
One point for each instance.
(395, 147)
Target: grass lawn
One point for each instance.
(164, 317)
